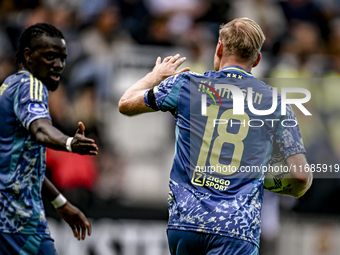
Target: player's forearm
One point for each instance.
(132, 101)
(149, 81)
(48, 135)
(53, 195)
(302, 176)
(49, 190)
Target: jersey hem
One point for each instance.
(209, 231)
(26, 232)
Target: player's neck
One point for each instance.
(27, 68)
(233, 61)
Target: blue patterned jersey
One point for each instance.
(216, 181)
(23, 99)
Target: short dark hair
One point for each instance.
(34, 32)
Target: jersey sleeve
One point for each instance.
(164, 96)
(31, 101)
(288, 140)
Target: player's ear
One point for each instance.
(219, 49)
(257, 61)
(27, 55)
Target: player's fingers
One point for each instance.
(167, 59)
(180, 61)
(84, 147)
(174, 58)
(86, 225)
(186, 69)
(78, 232)
(81, 127)
(158, 60)
(83, 232)
(89, 229)
(84, 142)
(88, 147)
(83, 139)
(74, 230)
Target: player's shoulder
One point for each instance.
(186, 77)
(30, 87)
(20, 78)
(194, 74)
(175, 79)
(26, 79)
(263, 87)
(198, 77)
(207, 74)
(12, 82)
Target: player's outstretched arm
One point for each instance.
(51, 137)
(132, 101)
(302, 177)
(71, 214)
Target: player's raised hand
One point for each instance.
(81, 144)
(169, 66)
(76, 220)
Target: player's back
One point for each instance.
(216, 140)
(216, 178)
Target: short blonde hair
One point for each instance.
(242, 37)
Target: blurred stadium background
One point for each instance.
(111, 44)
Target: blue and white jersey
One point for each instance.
(23, 99)
(216, 181)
